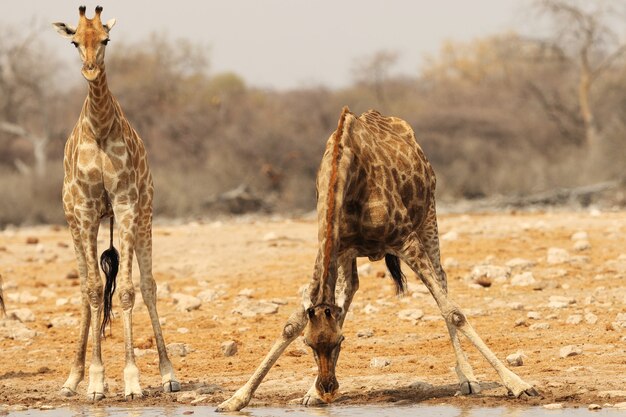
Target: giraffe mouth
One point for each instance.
(90, 72)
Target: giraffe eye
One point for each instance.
(75, 44)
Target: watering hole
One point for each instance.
(332, 411)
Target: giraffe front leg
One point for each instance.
(126, 216)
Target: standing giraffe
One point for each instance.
(107, 175)
(376, 198)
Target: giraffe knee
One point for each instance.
(127, 298)
(95, 294)
(455, 317)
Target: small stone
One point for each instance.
(163, 290)
(612, 394)
(559, 301)
(591, 318)
(574, 319)
(515, 359)
(581, 245)
(580, 235)
(594, 407)
(186, 302)
(365, 333)
(523, 280)
(252, 309)
(32, 240)
(177, 349)
(533, 315)
(520, 263)
(520, 322)
(539, 326)
(370, 309)
(413, 314)
(365, 269)
(380, 362)
(553, 406)
(62, 301)
(182, 330)
(620, 320)
(491, 272)
(22, 314)
(229, 348)
(570, 350)
(516, 305)
(207, 295)
(557, 256)
(73, 274)
(484, 282)
(64, 321)
(246, 292)
(46, 407)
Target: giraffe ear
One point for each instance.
(64, 30)
(109, 25)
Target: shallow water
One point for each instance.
(333, 411)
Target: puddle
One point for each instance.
(332, 411)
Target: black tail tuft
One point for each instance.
(393, 264)
(110, 263)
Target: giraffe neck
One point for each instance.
(99, 109)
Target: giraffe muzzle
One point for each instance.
(90, 71)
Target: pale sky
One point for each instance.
(286, 43)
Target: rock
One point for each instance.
(520, 263)
(574, 319)
(449, 263)
(186, 302)
(591, 318)
(484, 282)
(620, 406)
(570, 350)
(516, 305)
(380, 363)
(580, 235)
(178, 349)
(207, 295)
(557, 256)
(491, 272)
(413, 314)
(209, 389)
(620, 320)
(23, 298)
(594, 407)
(64, 321)
(520, 322)
(246, 292)
(252, 309)
(515, 359)
(182, 330)
(523, 280)
(581, 245)
(18, 331)
(370, 309)
(46, 293)
(73, 274)
(553, 406)
(32, 240)
(534, 315)
(163, 290)
(539, 326)
(229, 348)
(143, 352)
(62, 301)
(559, 301)
(612, 394)
(22, 314)
(451, 236)
(364, 334)
(365, 269)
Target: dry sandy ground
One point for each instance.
(243, 262)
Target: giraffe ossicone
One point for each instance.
(376, 198)
(107, 176)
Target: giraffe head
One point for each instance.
(323, 335)
(90, 37)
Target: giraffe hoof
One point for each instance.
(67, 392)
(95, 396)
(469, 388)
(312, 401)
(133, 395)
(171, 386)
(530, 392)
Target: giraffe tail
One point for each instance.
(1, 298)
(393, 265)
(109, 262)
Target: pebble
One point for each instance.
(594, 407)
(370, 309)
(246, 292)
(365, 333)
(182, 330)
(253, 309)
(557, 256)
(207, 295)
(620, 320)
(164, 290)
(23, 314)
(491, 272)
(580, 235)
(178, 349)
(520, 263)
(534, 315)
(523, 280)
(365, 269)
(539, 326)
(515, 359)
(559, 301)
(574, 319)
(62, 301)
(520, 322)
(553, 406)
(591, 318)
(581, 245)
(186, 302)
(229, 348)
(73, 274)
(64, 321)
(570, 350)
(46, 293)
(413, 314)
(380, 362)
